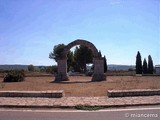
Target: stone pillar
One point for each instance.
(62, 70)
(98, 74)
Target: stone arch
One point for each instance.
(98, 62)
(84, 43)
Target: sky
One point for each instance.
(29, 29)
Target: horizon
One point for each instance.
(56, 64)
(118, 28)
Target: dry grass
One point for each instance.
(82, 86)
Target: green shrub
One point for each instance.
(14, 76)
(88, 107)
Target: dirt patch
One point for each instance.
(82, 86)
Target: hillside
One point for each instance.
(113, 67)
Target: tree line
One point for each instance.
(48, 69)
(145, 68)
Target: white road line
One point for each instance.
(131, 109)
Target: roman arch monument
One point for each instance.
(98, 62)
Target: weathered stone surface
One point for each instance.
(45, 94)
(98, 77)
(74, 101)
(137, 92)
(84, 43)
(62, 70)
(98, 70)
(61, 77)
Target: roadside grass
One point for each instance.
(88, 107)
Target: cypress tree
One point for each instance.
(138, 63)
(150, 65)
(105, 64)
(144, 68)
(100, 54)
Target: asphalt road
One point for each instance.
(112, 114)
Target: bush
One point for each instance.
(14, 76)
(88, 107)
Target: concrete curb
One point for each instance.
(133, 92)
(73, 107)
(43, 94)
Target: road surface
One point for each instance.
(149, 113)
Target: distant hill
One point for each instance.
(111, 67)
(13, 67)
(17, 67)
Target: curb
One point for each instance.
(73, 107)
(42, 94)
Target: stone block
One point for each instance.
(44, 94)
(131, 93)
(98, 77)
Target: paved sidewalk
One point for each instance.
(73, 101)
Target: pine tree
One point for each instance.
(138, 63)
(150, 65)
(105, 64)
(82, 56)
(145, 69)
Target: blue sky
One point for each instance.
(119, 28)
